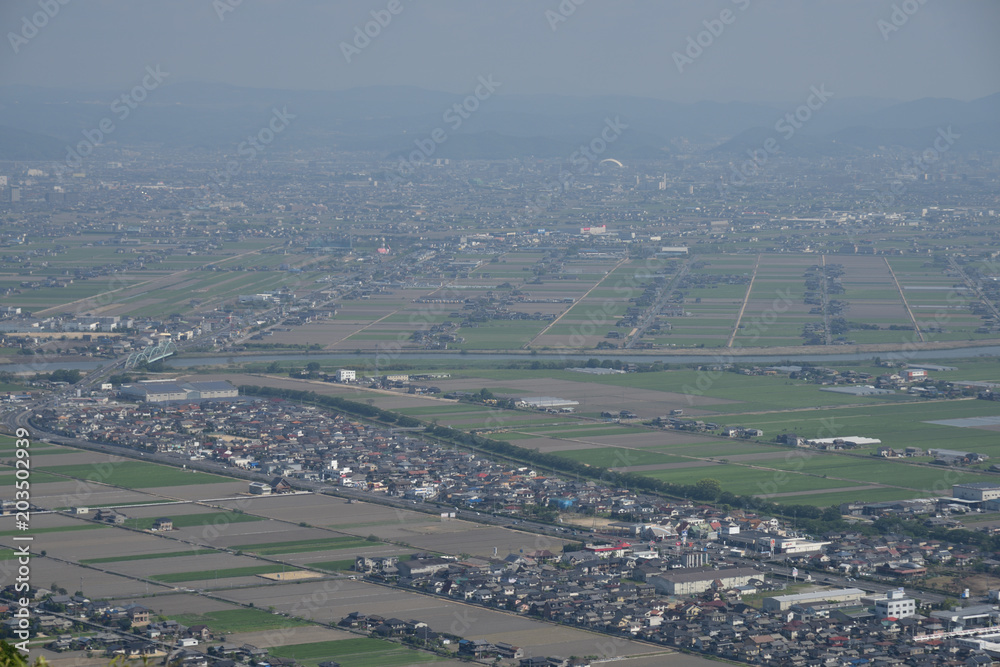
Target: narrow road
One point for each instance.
(899, 288)
(971, 284)
(172, 277)
(746, 300)
(580, 300)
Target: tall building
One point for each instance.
(896, 605)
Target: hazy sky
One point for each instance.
(770, 50)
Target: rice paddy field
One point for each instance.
(240, 550)
(748, 297)
(775, 404)
(723, 301)
(173, 278)
(448, 615)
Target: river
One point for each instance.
(416, 357)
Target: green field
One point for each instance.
(618, 457)
(7, 446)
(591, 432)
(362, 652)
(499, 335)
(303, 546)
(169, 554)
(227, 621)
(747, 393)
(335, 565)
(189, 520)
(135, 474)
(897, 425)
(252, 570)
(922, 478)
(836, 498)
(743, 480)
(53, 529)
(7, 478)
(720, 448)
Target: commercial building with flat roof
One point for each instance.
(165, 391)
(691, 581)
(895, 604)
(543, 402)
(840, 595)
(976, 491)
(855, 440)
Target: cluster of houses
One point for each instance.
(889, 557)
(133, 632)
(669, 574)
(418, 632)
(690, 593)
(624, 592)
(301, 443)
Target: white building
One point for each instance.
(344, 375)
(896, 605)
(164, 391)
(827, 597)
(691, 581)
(976, 491)
(546, 402)
(855, 440)
(260, 489)
(798, 545)
(674, 250)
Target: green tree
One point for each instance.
(831, 514)
(10, 656)
(708, 489)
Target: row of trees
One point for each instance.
(808, 517)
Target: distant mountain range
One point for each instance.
(39, 123)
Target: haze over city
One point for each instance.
(768, 51)
(545, 333)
